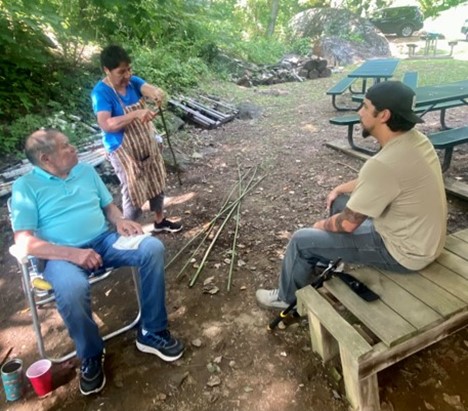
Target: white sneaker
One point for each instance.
(270, 299)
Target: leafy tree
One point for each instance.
(431, 8)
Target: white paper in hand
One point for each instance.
(129, 243)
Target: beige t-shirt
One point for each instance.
(401, 188)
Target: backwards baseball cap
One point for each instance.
(396, 97)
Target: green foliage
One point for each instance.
(432, 8)
(300, 45)
(13, 137)
(171, 68)
(260, 50)
(45, 74)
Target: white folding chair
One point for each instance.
(39, 292)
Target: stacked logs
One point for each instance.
(288, 69)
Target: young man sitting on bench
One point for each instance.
(393, 216)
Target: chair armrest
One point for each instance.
(15, 252)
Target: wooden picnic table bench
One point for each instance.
(414, 311)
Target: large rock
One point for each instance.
(339, 35)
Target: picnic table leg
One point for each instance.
(442, 120)
(338, 108)
(447, 159)
(364, 86)
(363, 394)
(353, 145)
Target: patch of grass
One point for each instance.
(434, 71)
(430, 71)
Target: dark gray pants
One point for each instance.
(309, 246)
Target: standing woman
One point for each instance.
(129, 136)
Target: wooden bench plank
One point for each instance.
(431, 294)
(439, 291)
(382, 356)
(456, 246)
(457, 188)
(462, 235)
(310, 299)
(413, 310)
(376, 315)
(450, 281)
(454, 262)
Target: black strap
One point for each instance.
(357, 286)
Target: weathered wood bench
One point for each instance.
(414, 311)
(338, 89)
(448, 139)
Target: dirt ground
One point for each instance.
(232, 362)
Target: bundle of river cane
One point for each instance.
(212, 231)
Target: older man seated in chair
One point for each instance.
(61, 213)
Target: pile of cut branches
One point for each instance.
(209, 235)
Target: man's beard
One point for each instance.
(365, 133)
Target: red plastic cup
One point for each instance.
(40, 375)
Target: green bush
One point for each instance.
(13, 136)
(260, 50)
(168, 67)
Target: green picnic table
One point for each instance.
(438, 97)
(376, 69)
(372, 69)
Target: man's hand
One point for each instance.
(86, 258)
(345, 188)
(332, 195)
(127, 227)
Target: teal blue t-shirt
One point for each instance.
(65, 212)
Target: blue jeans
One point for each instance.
(72, 289)
(308, 246)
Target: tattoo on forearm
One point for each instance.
(341, 222)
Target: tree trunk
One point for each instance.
(273, 16)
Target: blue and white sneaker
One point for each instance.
(92, 377)
(162, 344)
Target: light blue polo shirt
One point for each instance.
(61, 211)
